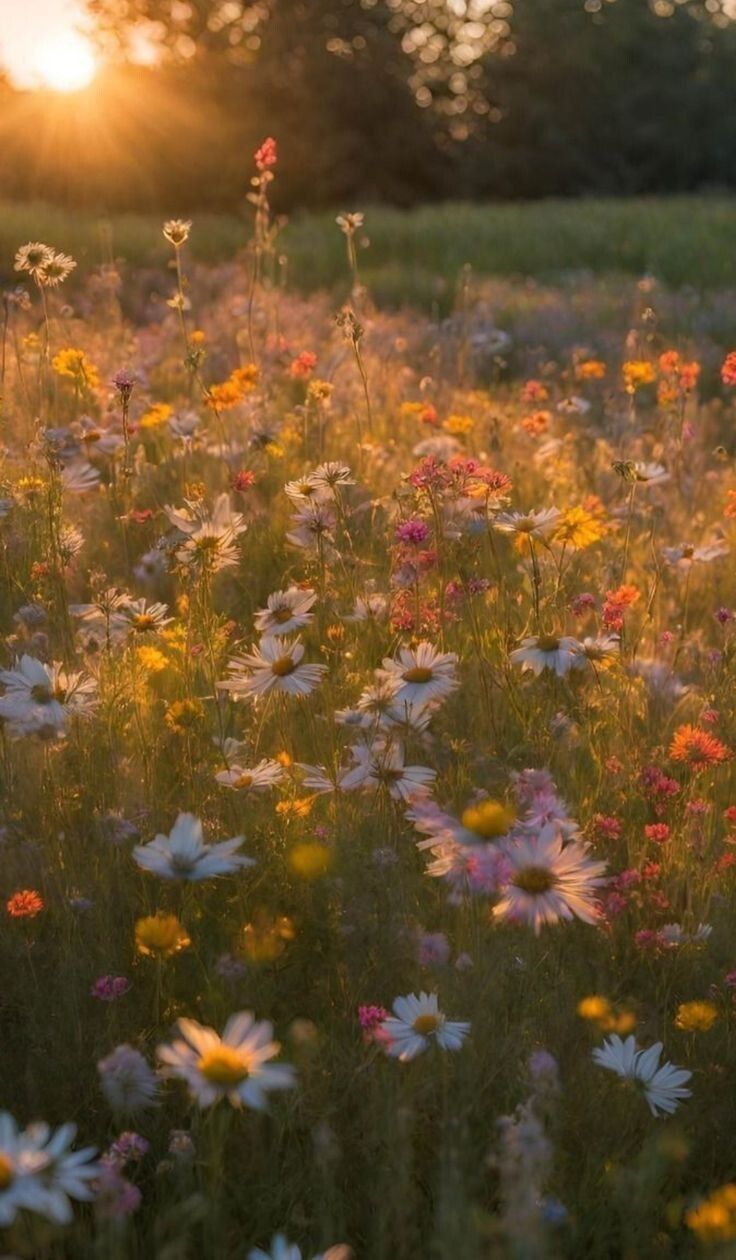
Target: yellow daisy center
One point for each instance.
(283, 666)
(282, 615)
(548, 643)
(418, 674)
(243, 781)
(488, 819)
(223, 1066)
(534, 879)
(144, 621)
(426, 1024)
(42, 694)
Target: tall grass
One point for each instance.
(417, 255)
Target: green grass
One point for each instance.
(417, 255)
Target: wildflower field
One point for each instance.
(367, 725)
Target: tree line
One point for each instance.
(401, 101)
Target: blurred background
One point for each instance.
(157, 105)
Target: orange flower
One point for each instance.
(729, 510)
(590, 370)
(697, 748)
(624, 596)
(25, 904)
(537, 422)
(637, 373)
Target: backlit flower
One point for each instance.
(235, 1066)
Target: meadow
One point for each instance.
(367, 725)
(416, 256)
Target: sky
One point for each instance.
(26, 25)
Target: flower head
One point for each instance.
(235, 1066)
(184, 855)
(416, 1022)
(662, 1085)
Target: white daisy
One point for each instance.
(533, 524)
(41, 699)
(139, 617)
(39, 1171)
(274, 665)
(416, 1022)
(372, 607)
(650, 474)
(252, 779)
(79, 477)
(209, 538)
(662, 1085)
(549, 880)
(304, 490)
(420, 674)
(184, 855)
(381, 765)
(548, 651)
(281, 1249)
(285, 611)
(313, 526)
(234, 1066)
(684, 556)
(321, 780)
(327, 477)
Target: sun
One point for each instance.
(65, 63)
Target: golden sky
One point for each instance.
(27, 27)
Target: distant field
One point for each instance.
(417, 255)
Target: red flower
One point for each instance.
(24, 904)
(267, 155)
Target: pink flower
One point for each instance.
(371, 1018)
(659, 832)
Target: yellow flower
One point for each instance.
(232, 391)
(714, 1220)
(183, 715)
(590, 370)
(458, 425)
(26, 487)
(31, 347)
(579, 529)
(319, 391)
(300, 807)
(310, 860)
(623, 1023)
(488, 819)
(599, 1011)
(75, 365)
(150, 659)
(696, 1016)
(594, 1008)
(637, 373)
(265, 939)
(157, 415)
(160, 935)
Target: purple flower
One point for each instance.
(414, 531)
(433, 949)
(109, 988)
(124, 382)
